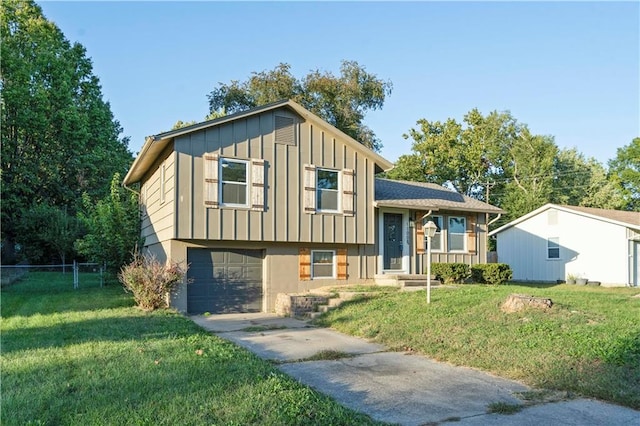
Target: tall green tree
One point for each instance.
(59, 138)
(48, 231)
(581, 181)
(528, 174)
(467, 156)
(625, 172)
(112, 225)
(341, 100)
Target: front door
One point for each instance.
(392, 241)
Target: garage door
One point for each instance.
(224, 281)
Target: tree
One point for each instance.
(211, 116)
(465, 157)
(579, 181)
(341, 101)
(48, 229)
(113, 227)
(59, 138)
(625, 172)
(528, 174)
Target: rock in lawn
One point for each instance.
(517, 302)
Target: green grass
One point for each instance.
(588, 343)
(89, 357)
(504, 408)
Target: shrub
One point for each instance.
(150, 281)
(450, 272)
(491, 273)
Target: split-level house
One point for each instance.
(276, 200)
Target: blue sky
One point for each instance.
(570, 70)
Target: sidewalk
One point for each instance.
(398, 387)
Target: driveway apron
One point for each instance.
(397, 387)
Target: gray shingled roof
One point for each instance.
(425, 196)
(632, 218)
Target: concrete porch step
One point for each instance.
(417, 283)
(405, 280)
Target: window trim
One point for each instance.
(338, 190)
(333, 265)
(464, 235)
(438, 234)
(557, 242)
(246, 184)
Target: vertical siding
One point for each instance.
(599, 255)
(284, 219)
(157, 218)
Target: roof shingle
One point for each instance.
(420, 195)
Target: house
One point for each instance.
(276, 200)
(555, 241)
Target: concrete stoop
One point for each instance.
(311, 305)
(405, 280)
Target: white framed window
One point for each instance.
(327, 190)
(457, 227)
(436, 241)
(553, 248)
(323, 264)
(234, 189)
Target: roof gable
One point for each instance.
(426, 196)
(617, 217)
(155, 145)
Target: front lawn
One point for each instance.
(588, 343)
(89, 357)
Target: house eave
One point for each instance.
(155, 144)
(564, 209)
(434, 207)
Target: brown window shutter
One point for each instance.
(309, 188)
(348, 192)
(304, 259)
(211, 180)
(342, 263)
(257, 185)
(471, 234)
(420, 245)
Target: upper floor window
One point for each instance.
(329, 190)
(233, 177)
(457, 228)
(327, 186)
(553, 248)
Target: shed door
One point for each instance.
(224, 281)
(392, 241)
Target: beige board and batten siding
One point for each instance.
(284, 218)
(280, 267)
(157, 194)
(476, 241)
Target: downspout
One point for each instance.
(486, 242)
(493, 221)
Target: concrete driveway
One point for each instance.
(397, 387)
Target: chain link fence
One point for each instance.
(76, 275)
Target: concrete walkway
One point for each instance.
(398, 387)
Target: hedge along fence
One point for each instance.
(457, 273)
